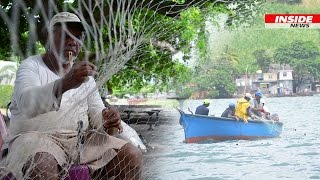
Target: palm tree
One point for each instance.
(229, 56)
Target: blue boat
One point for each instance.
(199, 128)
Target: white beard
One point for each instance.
(63, 60)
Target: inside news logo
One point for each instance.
(292, 20)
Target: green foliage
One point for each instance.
(20, 27)
(245, 41)
(244, 13)
(229, 56)
(218, 81)
(289, 1)
(287, 8)
(6, 92)
(151, 65)
(5, 49)
(184, 76)
(263, 59)
(302, 56)
(217, 75)
(190, 22)
(296, 52)
(253, 48)
(179, 1)
(184, 92)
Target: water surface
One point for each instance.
(294, 155)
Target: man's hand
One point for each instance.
(262, 110)
(78, 74)
(112, 119)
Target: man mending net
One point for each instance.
(57, 121)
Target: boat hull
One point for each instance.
(199, 128)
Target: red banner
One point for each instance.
(292, 18)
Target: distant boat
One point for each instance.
(199, 128)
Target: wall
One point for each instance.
(270, 77)
(288, 77)
(286, 86)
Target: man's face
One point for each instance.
(67, 42)
(258, 97)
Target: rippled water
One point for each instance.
(294, 155)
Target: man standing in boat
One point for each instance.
(243, 109)
(203, 109)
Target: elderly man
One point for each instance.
(58, 117)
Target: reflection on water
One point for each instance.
(294, 155)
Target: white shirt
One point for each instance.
(35, 108)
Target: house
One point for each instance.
(267, 83)
(278, 81)
(285, 82)
(264, 82)
(244, 82)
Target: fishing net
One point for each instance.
(119, 35)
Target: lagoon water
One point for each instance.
(294, 155)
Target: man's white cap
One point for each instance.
(65, 17)
(248, 95)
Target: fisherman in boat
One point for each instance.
(203, 109)
(265, 111)
(58, 117)
(256, 105)
(243, 108)
(230, 112)
(259, 108)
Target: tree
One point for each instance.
(244, 41)
(303, 56)
(229, 56)
(263, 59)
(129, 35)
(218, 81)
(216, 76)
